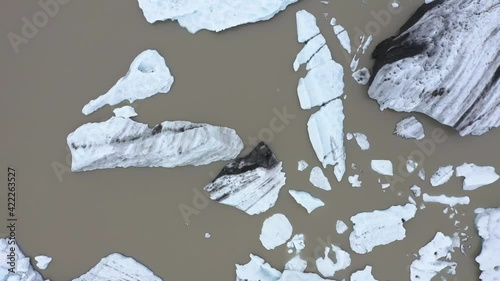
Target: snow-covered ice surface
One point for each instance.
(126, 112)
(251, 183)
(148, 75)
(341, 227)
(276, 230)
(42, 262)
(440, 65)
(296, 264)
(363, 275)
(327, 267)
(361, 76)
(416, 190)
(354, 181)
(117, 267)
(341, 34)
(23, 269)
(122, 142)
(476, 176)
(326, 132)
(383, 167)
(488, 225)
(302, 165)
(410, 128)
(306, 26)
(256, 270)
(318, 179)
(380, 227)
(446, 200)
(306, 200)
(213, 15)
(442, 175)
(433, 258)
(361, 140)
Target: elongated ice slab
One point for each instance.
(362, 141)
(410, 128)
(380, 227)
(122, 142)
(213, 15)
(327, 267)
(256, 270)
(341, 227)
(306, 200)
(383, 167)
(341, 34)
(306, 26)
(476, 176)
(446, 200)
(276, 230)
(318, 179)
(442, 175)
(22, 270)
(42, 262)
(488, 225)
(363, 275)
(251, 183)
(148, 75)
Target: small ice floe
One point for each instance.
(476, 176)
(446, 200)
(488, 225)
(255, 270)
(361, 140)
(416, 190)
(354, 181)
(421, 174)
(366, 43)
(354, 63)
(341, 227)
(23, 269)
(125, 112)
(302, 165)
(380, 227)
(148, 75)
(306, 26)
(362, 76)
(410, 128)
(422, 206)
(118, 267)
(321, 85)
(297, 243)
(411, 166)
(207, 235)
(363, 275)
(341, 34)
(306, 200)
(383, 167)
(384, 185)
(325, 2)
(42, 262)
(353, 166)
(412, 201)
(442, 175)
(276, 230)
(327, 267)
(395, 4)
(318, 179)
(349, 136)
(296, 264)
(251, 183)
(433, 258)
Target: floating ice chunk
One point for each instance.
(410, 128)
(383, 167)
(22, 271)
(276, 230)
(488, 225)
(341, 227)
(302, 165)
(318, 179)
(380, 227)
(297, 243)
(327, 267)
(306, 200)
(412, 201)
(354, 181)
(309, 50)
(395, 4)
(362, 141)
(256, 270)
(363, 275)
(306, 26)
(322, 56)
(148, 75)
(118, 267)
(326, 132)
(361, 76)
(122, 142)
(321, 84)
(354, 63)
(349, 136)
(430, 261)
(442, 175)
(195, 15)
(447, 200)
(367, 43)
(411, 166)
(416, 190)
(341, 34)
(125, 112)
(296, 264)
(42, 262)
(421, 174)
(207, 235)
(251, 183)
(476, 176)
(289, 275)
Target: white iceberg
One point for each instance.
(276, 230)
(42, 262)
(476, 176)
(311, 48)
(488, 225)
(306, 26)
(306, 200)
(23, 269)
(327, 267)
(362, 76)
(416, 190)
(442, 175)
(410, 128)
(354, 181)
(318, 179)
(446, 200)
(341, 227)
(341, 34)
(383, 167)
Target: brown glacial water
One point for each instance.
(238, 78)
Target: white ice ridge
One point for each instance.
(354, 181)
(117, 267)
(276, 230)
(302, 165)
(42, 262)
(122, 142)
(326, 132)
(148, 75)
(446, 200)
(256, 270)
(297, 242)
(362, 76)
(296, 264)
(433, 258)
(363, 275)
(318, 179)
(476, 176)
(22, 266)
(306, 200)
(341, 34)
(380, 227)
(383, 167)
(125, 112)
(362, 141)
(213, 15)
(327, 267)
(410, 128)
(442, 175)
(488, 225)
(341, 227)
(306, 26)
